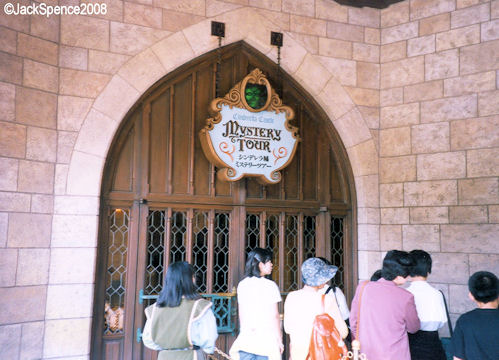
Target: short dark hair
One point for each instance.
(422, 263)
(376, 275)
(483, 286)
(178, 283)
(255, 257)
(396, 263)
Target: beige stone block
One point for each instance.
(65, 145)
(142, 15)
(391, 195)
(82, 83)
(449, 109)
(312, 75)
(76, 205)
(397, 169)
(424, 237)
(352, 128)
(364, 16)
(494, 9)
(36, 177)
(467, 84)
(484, 262)
(196, 7)
(367, 191)
(450, 267)
(363, 97)
(364, 158)
(425, 91)
(488, 103)
(399, 115)
(32, 340)
(7, 102)
(489, 30)
(266, 4)
(8, 265)
(309, 42)
(74, 231)
(393, 51)
(42, 204)
(143, 70)
(72, 266)
(459, 302)
(372, 36)
(468, 215)
(335, 48)
(390, 237)
(391, 97)
(96, 32)
(280, 19)
(4, 224)
(430, 193)
(28, 260)
(71, 111)
(175, 21)
(403, 72)
(442, 65)
(10, 201)
(61, 174)
(19, 22)
(84, 174)
(369, 262)
(34, 107)
(8, 41)
(9, 169)
(80, 306)
(425, 8)
(12, 68)
(395, 141)
(395, 14)
(394, 216)
(114, 8)
(41, 144)
(368, 216)
(299, 7)
(421, 45)
(370, 116)
(472, 238)
(478, 191)
(458, 37)
(430, 138)
(29, 230)
(343, 31)
(368, 237)
(483, 162)
(477, 58)
(475, 133)
(465, 3)
(366, 52)
(40, 76)
(32, 308)
(434, 24)
(470, 15)
(328, 10)
(67, 338)
(216, 7)
(131, 39)
(429, 215)
(448, 165)
(73, 57)
(96, 134)
(399, 32)
(305, 25)
(105, 62)
(335, 100)
(345, 71)
(45, 27)
(494, 213)
(367, 75)
(37, 49)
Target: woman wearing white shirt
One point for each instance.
(425, 344)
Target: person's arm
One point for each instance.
(277, 323)
(354, 314)
(411, 316)
(342, 303)
(334, 312)
(204, 332)
(146, 334)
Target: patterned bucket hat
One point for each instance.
(316, 272)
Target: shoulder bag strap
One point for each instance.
(358, 312)
(447, 313)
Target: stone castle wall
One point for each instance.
(411, 89)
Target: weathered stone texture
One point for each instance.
(401, 115)
(430, 138)
(489, 30)
(397, 169)
(424, 8)
(391, 195)
(399, 32)
(306, 25)
(32, 340)
(421, 45)
(305, 7)
(335, 48)
(10, 341)
(324, 9)
(345, 31)
(82, 83)
(65, 144)
(129, 39)
(71, 112)
(34, 107)
(449, 109)
(488, 103)
(40, 76)
(474, 133)
(393, 51)
(10, 201)
(369, 262)
(468, 215)
(393, 216)
(442, 65)
(11, 69)
(434, 24)
(449, 267)
(430, 193)
(372, 36)
(36, 177)
(366, 52)
(365, 16)
(420, 237)
(37, 49)
(96, 32)
(425, 91)
(73, 57)
(9, 169)
(458, 37)
(390, 237)
(42, 204)
(41, 144)
(8, 265)
(28, 260)
(67, 337)
(467, 84)
(368, 187)
(368, 237)
(395, 14)
(391, 97)
(395, 141)
(429, 215)
(45, 27)
(7, 102)
(29, 230)
(449, 165)
(352, 128)
(363, 97)
(105, 62)
(32, 308)
(472, 238)
(58, 306)
(4, 223)
(403, 72)
(493, 214)
(481, 57)
(72, 265)
(74, 231)
(483, 162)
(470, 15)
(139, 14)
(484, 262)
(478, 191)
(8, 41)
(459, 301)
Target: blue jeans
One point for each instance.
(243, 355)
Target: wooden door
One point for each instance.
(162, 202)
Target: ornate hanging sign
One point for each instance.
(249, 133)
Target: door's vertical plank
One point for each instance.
(189, 236)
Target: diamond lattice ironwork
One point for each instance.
(309, 236)
(337, 249)
(200, 249)
(272, 241)
(252, 232)
(291, 254)
(178, 236)
(221, 253)
(155, 252)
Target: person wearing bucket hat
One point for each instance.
(302, 306)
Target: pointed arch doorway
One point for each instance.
(162, 202)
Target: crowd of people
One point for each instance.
(395, 315)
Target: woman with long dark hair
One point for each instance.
(260, 336)
(180, 325)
